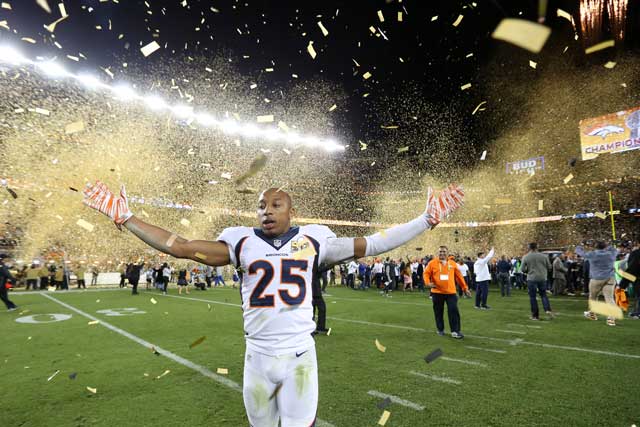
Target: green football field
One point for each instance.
(508, 371)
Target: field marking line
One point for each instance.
(436, 378)
(396, 399)
(181, 360)
(524, 326)
(510, 332)
(466, 362)
(203, 300)
(491, 350)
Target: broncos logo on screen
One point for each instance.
(604, 131)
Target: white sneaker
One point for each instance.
(589, 315)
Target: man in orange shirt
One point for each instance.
(441, 276)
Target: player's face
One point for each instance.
(442, 254)
(274, 212)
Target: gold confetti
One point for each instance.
(525, 34)
(86, 225)
(311, 50)
(93, 322)
(610, 65)
(222, 371)
(42, 111)
(605, 309)
(74, 127)
(283, 126)
(568, 178)
(502, 201)
(540, 205)
(52, 376)
(153, 301)
(630, 277)
(63, 10)
(434, 18)
(144, 214)
(197, 342)
(185, 222)
(533, 64)
(363, 146)
(323, 29)
(44, 4)
(600, 46)
(52, 27)
(600, 215)
(225, 175)
(458, 20)
(28, 40)
(200, 256)
(465, 87)
(163, 374)
(171, 240)
(366, 75)
(6, 5)
(403, 149)
(380, 16)
(478, 108)
(566, 15)
(399, 16)
(484, 155)
(373, 30)
(265, 119)
(92, 390)
(150, 48)
(333, 107)
(380, 346)
(384, 418)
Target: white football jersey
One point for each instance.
(276, 284)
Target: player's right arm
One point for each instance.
(100, 198)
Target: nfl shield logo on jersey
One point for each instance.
(277, 243)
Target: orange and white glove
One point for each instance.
(100, 198)
(449, 199)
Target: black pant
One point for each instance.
(122, 277)
(165, 284)
(44, 282)
(5, 298)
(81, 284)
(323, 280)
(134, 284)
(351, 279)
(32, 283)
(452, 310)
(318, 303)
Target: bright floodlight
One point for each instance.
(52, 69)
(90, 81)
(11, 56)
(124, 92)
(205, 119)
(155, 102)
(182, 111)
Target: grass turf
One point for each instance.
(538, 380)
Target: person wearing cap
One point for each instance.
(5, 276)
(441, 275)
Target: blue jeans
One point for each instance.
(540, 287)
(482, 292)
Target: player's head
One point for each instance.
(274, 212)
(442, 253)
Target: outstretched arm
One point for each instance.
(100, 198)
(340, 249)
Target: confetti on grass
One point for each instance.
(380, 347)
(197, 342)
(163, 374)
(222, 371)
(605, 309)
(433, 355)
(92, 390)
(153, 301)
(93, 322)
(52, 376)
(384, 418)
(568, 178)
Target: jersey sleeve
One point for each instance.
(322, 234)
(232, 236)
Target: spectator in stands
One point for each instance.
(483, 277)
(536, 266)
(32, 277)
(559, 275)
(504, 269)
(601, 275)
(6, 263)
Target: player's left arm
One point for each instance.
(438, 208)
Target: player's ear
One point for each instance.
(292, 212)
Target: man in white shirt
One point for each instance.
(278, 261)
(483, 278)
(352, 270)
(465, 273)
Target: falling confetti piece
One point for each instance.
(380, 346)
(458, 20)
(185, 222)
(197, 342)
(225, 175)
(465, 87)
(74, 127)
(52, 27)
(163, 374)
(525, 34)
(86, 225)
(93, 322)
(311, 50)
(605, 309)
(434, 18)
(630, 277)
(366, 75)
(386, 402)
(73, 189)
(599, 46)
(478, 108)
(150, 48)
(92, 390)
(6, 5)
(433, 355)
(484, 155)
(566, 15)
(540, 205)
(380, 16)
(600, 215)
(384, 418)
(333, 107)
(568, 178)
(533, 64)
(28, 40)
(222, 371)
(42, 111)
(399, 16)
(200, 256)
(403, 149)
(502, 201)
(153, 301)
(209, 307)
(265, 119)
(44, 4)
(610, 65)
(171, 240)
(256, 166)
(52, 376)
(323, 29)
(63, 10)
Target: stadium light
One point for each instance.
(123, 92)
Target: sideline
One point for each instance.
(396, 399)
(181, 360)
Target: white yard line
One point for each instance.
(203, 300)
(524, 326)
(466, 362)
(396, 399)
(436, 378)
(181, 360)
(506, 331)
(491, 350)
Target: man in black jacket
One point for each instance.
(5, 276)
(133, 276)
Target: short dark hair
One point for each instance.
(480, 254)
(443, 246)
(533, 246)
(601, 245)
